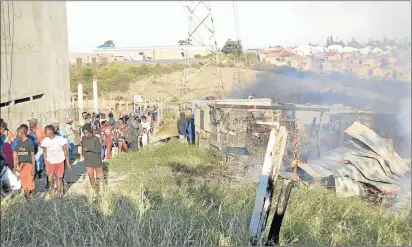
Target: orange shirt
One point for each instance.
(40, 134)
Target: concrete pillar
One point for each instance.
(80, 99)
(95, 97)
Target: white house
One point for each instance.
(335, 48)
(303, 50)
(376, 50)
(349, 49)
(366, 50)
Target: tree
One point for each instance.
(185, 42)
(355, 44)
(232, 47)
(109, 42)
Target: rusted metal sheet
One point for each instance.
(366, 159)
(378, 145)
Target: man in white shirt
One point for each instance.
(55, 155)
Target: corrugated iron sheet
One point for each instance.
(366, 159)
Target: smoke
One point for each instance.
(403, 120)
(285, 84)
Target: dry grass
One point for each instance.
(175, 195)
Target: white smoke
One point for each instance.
(403, 119)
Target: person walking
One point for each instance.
(24, 161)
(120, 136)
(182, 125)
(55, 156)
(91, 152)
(132, 136)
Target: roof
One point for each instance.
(106, 46)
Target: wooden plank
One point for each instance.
(270, 171)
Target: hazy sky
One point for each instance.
(261, 23)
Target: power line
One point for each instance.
(236, 86)
(200, 21)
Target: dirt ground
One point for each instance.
(168, 87)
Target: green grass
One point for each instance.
(175, 194)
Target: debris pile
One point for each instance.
(365, 166)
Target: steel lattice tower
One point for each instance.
(201, 32)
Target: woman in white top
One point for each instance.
(55, 156)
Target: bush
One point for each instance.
(115, 76)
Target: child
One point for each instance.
(107, 131)
(55, 155)
(91, 146)
(145, 137)
(24, 161)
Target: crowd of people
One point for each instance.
(33, 151)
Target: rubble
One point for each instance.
(365, 166)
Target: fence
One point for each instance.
(15, 119)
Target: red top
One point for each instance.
(107, 131)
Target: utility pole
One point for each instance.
(201, 32)
(95, 93)
(80, 91)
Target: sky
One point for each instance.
(261, 24)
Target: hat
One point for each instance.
(33, 121)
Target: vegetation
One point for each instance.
(233, 47)
(116, 76)
(175, 194)
(185, 42)
(109, 42)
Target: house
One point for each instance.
(300, 63)
(278, 57)
(360, 70)
(325, 56)
(372, 62)
(334, 66)
(376, 50)
(303, 50)
(392, 60)
(366, 50)
(346, 55)
(335, 48)
(349, 49)
(382, 73)
(402, 73)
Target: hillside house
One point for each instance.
(360, 70)
(278, 57)
(372, 62)
(300, 63)
(402, 73)
(326, 56)
(334, 66)
(392, 60)
(383, 73)
(335, 48)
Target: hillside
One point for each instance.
(119, 81)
